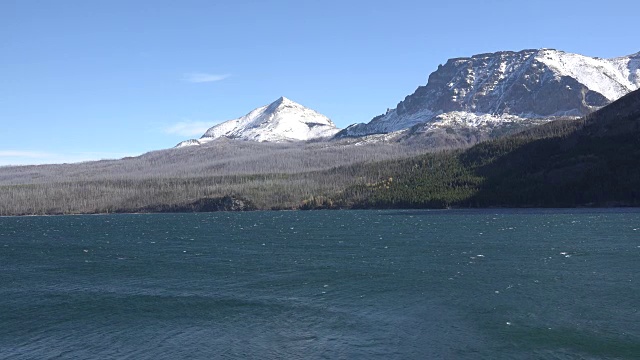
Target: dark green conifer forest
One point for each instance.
(587, 162)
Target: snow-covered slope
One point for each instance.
(282, 120)
(529, 84)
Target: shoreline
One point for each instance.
(617, 206)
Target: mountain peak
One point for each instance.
(282, 101)
(282, 120)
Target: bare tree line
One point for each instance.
(219, 158)
(277, 176)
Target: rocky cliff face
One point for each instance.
(529, 84)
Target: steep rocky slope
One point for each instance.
(484, 93)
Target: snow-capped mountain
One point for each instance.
(282, 120)
(506, 87)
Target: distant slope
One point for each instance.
(282, 120)
(268, 175)
(588, 162)
(484, 92)
(223, 157)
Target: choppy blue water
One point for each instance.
(485, 284)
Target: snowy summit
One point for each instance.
(282, 120)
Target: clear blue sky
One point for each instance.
(92, 79)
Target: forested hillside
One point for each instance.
(587, 162)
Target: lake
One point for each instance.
(449, 284)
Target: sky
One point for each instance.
(97, 79)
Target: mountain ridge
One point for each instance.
(466, 100)
(528, 84)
